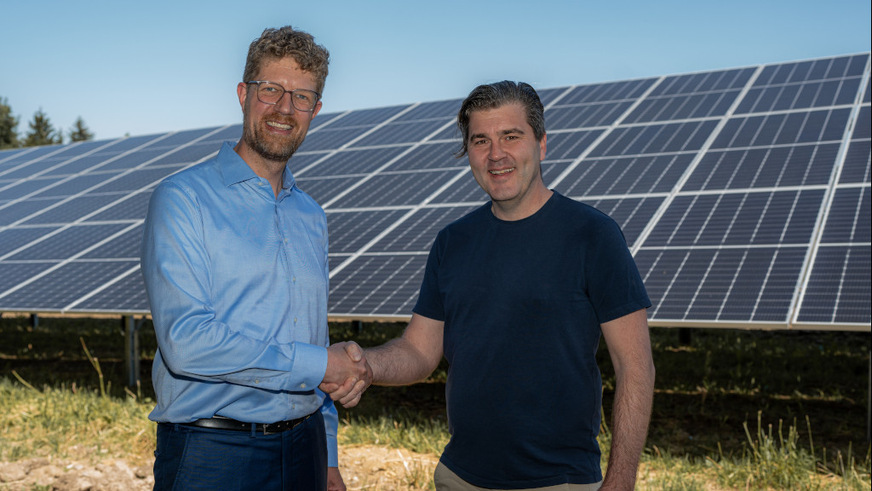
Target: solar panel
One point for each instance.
(743, 193)
(837, 291)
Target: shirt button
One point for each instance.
(303, 385)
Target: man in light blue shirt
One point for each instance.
(234, 258)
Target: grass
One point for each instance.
(733, 409)
(68, 422)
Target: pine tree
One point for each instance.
(80, 132)
(42, 132)
(8, 124)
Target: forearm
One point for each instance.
(409, 358)
(226, 355)
(398, 362)
(631, 414)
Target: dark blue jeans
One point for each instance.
(189, 458)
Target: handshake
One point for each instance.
(348, 373)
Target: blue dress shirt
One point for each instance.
(237, 282)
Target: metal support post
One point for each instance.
(131, 349)
(684, 336)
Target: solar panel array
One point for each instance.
(744, 195)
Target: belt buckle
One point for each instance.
(266, 430)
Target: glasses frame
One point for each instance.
(286, 91)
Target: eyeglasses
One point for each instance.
(271, 93)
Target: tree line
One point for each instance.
(41, 130)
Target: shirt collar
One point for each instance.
(288, 180)
(235, 170)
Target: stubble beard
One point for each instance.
(279, 150)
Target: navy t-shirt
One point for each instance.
(522, 302)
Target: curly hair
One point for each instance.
(283, 42)
(491, 96)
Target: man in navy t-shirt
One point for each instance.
(516, 295)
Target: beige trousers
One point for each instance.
(448, 481)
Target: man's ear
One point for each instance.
(242, 93)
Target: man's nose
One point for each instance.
(496, 151)
(284, 104)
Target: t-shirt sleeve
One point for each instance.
(429, 302)
(614, 285)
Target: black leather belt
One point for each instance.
(222, 423)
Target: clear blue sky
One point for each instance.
(155, 66)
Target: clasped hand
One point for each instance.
(348, 373)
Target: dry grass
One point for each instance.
(733, 409)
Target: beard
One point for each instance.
(270, 147)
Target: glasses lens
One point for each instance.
(269, 93)
(304, 100)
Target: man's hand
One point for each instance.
(348, 374)
(334, 480)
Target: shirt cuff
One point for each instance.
(310, 365)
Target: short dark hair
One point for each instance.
(283, 42)
(498, 94)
